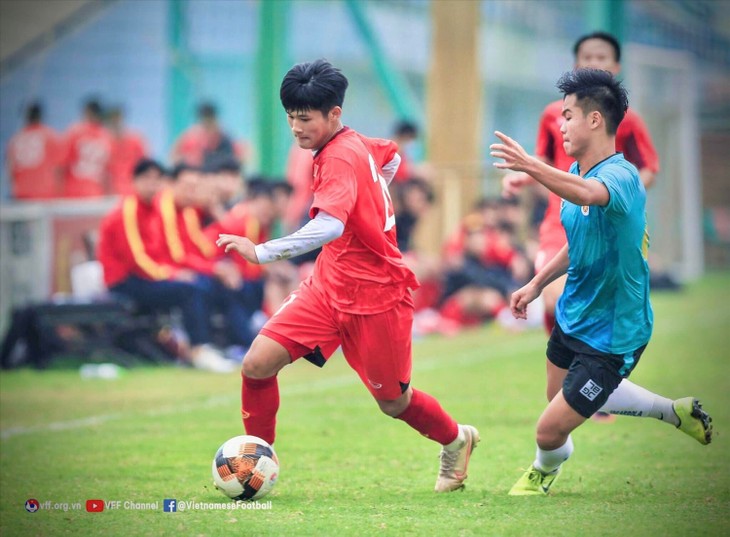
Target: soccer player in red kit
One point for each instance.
(359, 296)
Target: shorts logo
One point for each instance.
(590, 390)
(375, 384)
(585, 210)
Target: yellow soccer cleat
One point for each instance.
(534, 483)
(693, 421)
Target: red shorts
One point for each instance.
(377, 346)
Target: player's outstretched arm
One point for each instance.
(322, 229)
(566, 185)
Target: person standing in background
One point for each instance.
(87, 151)
(128, 148)
(33, 157)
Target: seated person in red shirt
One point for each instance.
(250, 218)
(130, 251)
(181, 208)
(483, 267)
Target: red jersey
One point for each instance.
(126, 151)
(496, 251)
(632, 139)
(130, 243)
(361, 272)
(86, 161)
(237, 221)
(185, 243)
(33, 157)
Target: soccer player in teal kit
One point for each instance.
(604, 317)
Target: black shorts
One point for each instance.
(592, 375)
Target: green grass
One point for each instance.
(349, 470)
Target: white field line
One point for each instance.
(422, 365)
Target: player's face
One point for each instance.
(312, 129)
(186, 188)
(575, 127)
(597, 54)
(148, 184)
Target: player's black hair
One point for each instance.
(313, 85)
(207, 110)
(595, 89)
(223, 164)
(257, 187)
(34, 112)
(92, 106)
(603, 36)
(282, 185)
(405, 127)
(180, 168)
(144, 165)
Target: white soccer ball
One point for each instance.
(245, 468)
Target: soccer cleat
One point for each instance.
(452, 472)
(534, 482)
(693, 420)
(206, 358)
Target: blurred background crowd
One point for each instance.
(177, 100)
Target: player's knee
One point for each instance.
(256, 367)
(394, 407)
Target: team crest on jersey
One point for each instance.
(584, 209)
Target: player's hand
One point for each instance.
(514, 155)
(513, 183)
(521, 298)
(242, 245)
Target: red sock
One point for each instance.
(426, 416)
(259, 404)
(548, 321)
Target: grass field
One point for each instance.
(348, 470)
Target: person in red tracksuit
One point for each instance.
(185, 245)
(131, 253)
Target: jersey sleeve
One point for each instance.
(621, 186)
(544, 144)
(335, 190)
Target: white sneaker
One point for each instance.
(208, 359)
(452, 472)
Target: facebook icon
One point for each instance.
(169, 506)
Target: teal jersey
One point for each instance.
(605, 303)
